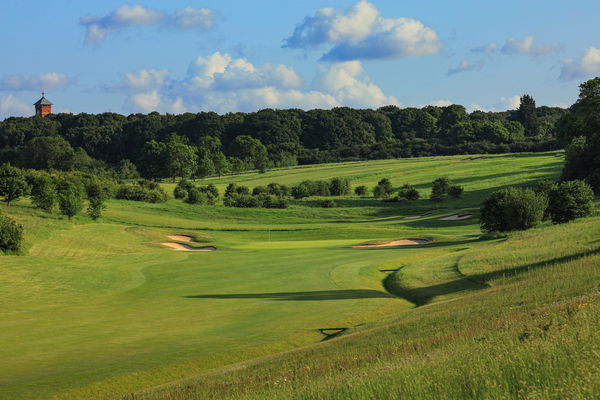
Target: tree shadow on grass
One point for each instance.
(424, 295)
(319, 295)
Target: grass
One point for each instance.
(101, 310)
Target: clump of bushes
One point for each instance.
(408, 192)
(442, 188)
(361, 190)
(333, 187)
(383, 190)
(512, 209)
(144, 190)
(570, 200)
(262, 196)
(11, 235)
(203, 195)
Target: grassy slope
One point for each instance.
(95, 310)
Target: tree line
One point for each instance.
(156, 146)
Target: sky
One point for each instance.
(225, 56)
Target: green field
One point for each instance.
(98, 310)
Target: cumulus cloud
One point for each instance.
(508, 103)
(220, 82)
(18, 82)
(585, 67)
(361, 33)
(527, 46)
(97, 28)
(465, 66)
(10, 106)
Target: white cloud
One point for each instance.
(345, 82)
(97, 28)
(487, 48)
(194, 18)
(10, 106)
(527, 46)
(508, 103)
(20, 82)
(361, 33)
(222, 83)
(465, 66)
(437, 103)
(585, 67)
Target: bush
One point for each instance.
(259, 189)
(455, 191)
(512, 209)
(300, 191)
(278, 190)
(570, 200)
(361, 190)
(43, 193)
(328, 203)
(383, 190)
(141, 192)
(408, 192)
(339, 187)
(440, 188)
(241, 200)
(11, 235)
(182, 189)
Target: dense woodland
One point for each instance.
(156, 146)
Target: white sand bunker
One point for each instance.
(185, 247)
(418, 216)
(397, 242)
(456, 217)
(183, 238)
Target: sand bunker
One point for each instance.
(456, 217)
(418, 216)
(185, 247)
(398, 242)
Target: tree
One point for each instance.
(455, 191)
(250, 150)
(383, 190)
(206, 167)
(220, 163)
(527, 115)
(570, 200)
(11, 235)
(43, 193)
(12, 183)
(440, 188)
(96, 196)
(128, 170)
(512, 209)
(70, 198)
(408, 192)
(361, 190)
(339, 187)
(152, 162)
(49, 153)
(181, 159)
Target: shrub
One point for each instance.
(339, 187)
(300, 191)
(361, 190)
(182, 188)
(278, 189)
(241, 200)
(43, 193)
(11, 235)
(408, 192)
(327, 203)
(455, 191)
(141, 192)
(383, 190)
(440, 188)
(259, 189)
(512, 209)
(570, 200)
(197, 196)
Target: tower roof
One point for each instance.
(43, 102)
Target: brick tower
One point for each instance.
(43, 107)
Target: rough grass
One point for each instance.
(99, 310)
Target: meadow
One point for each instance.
(98, 310)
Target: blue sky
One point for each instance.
(176, 56)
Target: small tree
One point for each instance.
(440, 188)
(455, 191)
(43, 193)
(300, 191)
(408, 192)
(570, 200)
(384, 189)
(96, 196)
(11, 235)
(70, 198)
(339, 187)
(361, 190)
(182, 188)
(12, 183)
(512, 209)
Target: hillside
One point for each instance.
(100, 310)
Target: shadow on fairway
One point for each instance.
(302, 296)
